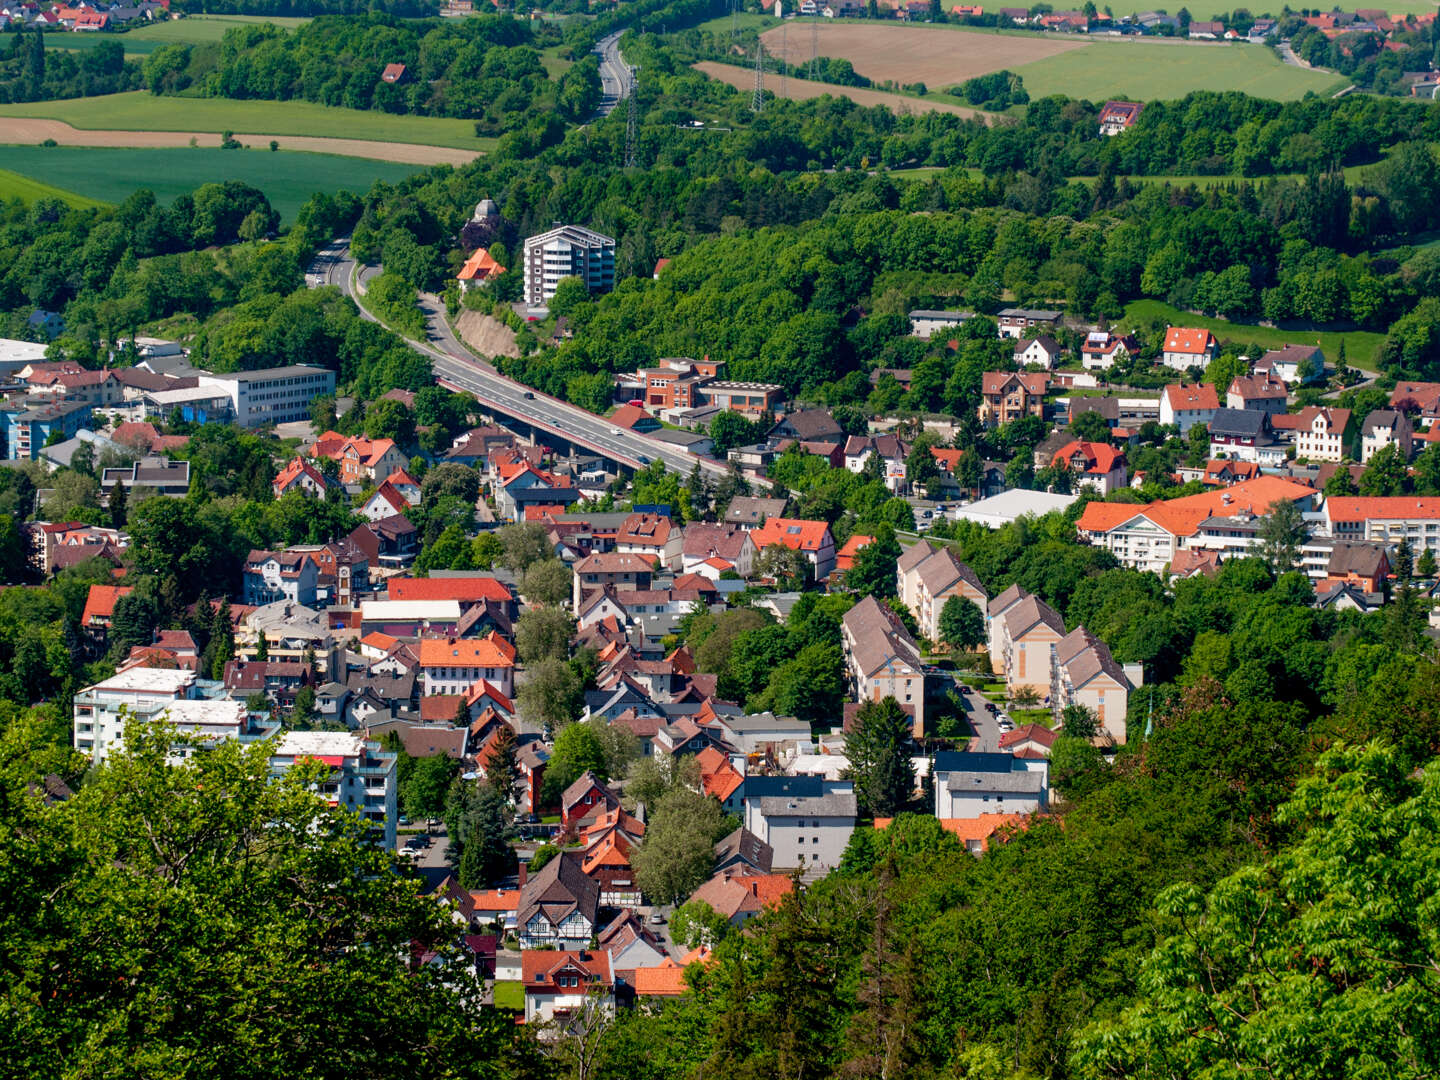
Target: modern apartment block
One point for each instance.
(177, 696)
(567, 251)
(362, 776)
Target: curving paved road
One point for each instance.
(614, 73)
(458, 369)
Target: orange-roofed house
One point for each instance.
(845, 557)
(1186, 348)
(1091, 464)
(385, 502)
(361, 460)
(721, 779)
(480, 269)
(559, 982)
(739, 898)
(1185, 406)
(454, 665)
(977, 833)
(405, 484)
(811, 538)
(100, 607)
(300, 475)
(466, 591)
(667, 979)
(393, 74)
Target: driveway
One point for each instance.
(430, 862)
(984, 728)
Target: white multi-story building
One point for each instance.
(271, 395)
(806, 820)
(567, 251)
(362, 779)
(972, 784)
(148, 694)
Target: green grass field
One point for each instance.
(199, 29)
(1360, 345)
(109, 175)
(28, 189)
(1151, 71)
(746, 21)
(84, 42)
(141, 111)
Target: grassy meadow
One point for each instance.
(94, 175)
(1360, 345)
(27, 189)
(142, 111)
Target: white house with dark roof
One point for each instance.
(1386, 427)
(969, 785)
(559, 905)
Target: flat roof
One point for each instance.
(191, 393)
(409, 609)
(205, 711)
(260, 374)
(147, 679)
(1014, 503)
(320, 744)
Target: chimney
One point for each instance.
(524, 872)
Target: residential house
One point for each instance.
(1365, 566)
(704, 545)
(160, 475)
(1244, 435)
(806, 820)
(300, 475)
(720, 779)
(1325, 434)
(811, 538)
(1014, 321)
(654, 537)
(808, 425)
(1102, 349)
(467, 590)
(882, 659)
(751, 512)
(1028, 740)
(391, 542)
(561, 982)
(925, 323)
(269, 576)
(608, 840)
(582, 798)
(100, 608)
(559, 905)
(479, 269)
(1261, 393)
(1095, 465)
(1007, 395)
(361, 460)
(1186, 347)
(1117, 116)
(743, 852)
(888, 448)
(1206, 29)
(1296, 365)
(845, 557)
(738, 898)
(1386, 427)
(1042, 351)
(452, 666)
(611, 570)
(970, 784)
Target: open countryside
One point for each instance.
(28, 190)
(116, 117)
(1079, 67)
(804, 90)
(288, 178)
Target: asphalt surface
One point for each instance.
(459, 369)
(984, 727)
(614, 73)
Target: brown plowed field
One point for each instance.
(15, 129)
(801, 90)
(937, 56)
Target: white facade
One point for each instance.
(569, 251)
(362, 777)
(969, 785)
(271, 395)
(1323, 440)
(805, 830)
(148, 694)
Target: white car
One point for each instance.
(614, 431)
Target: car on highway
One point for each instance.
(614, 431)
(642, 459)
(529, 396)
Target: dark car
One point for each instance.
(991, 707)
(642, 459)
(529, 396)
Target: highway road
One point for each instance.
(457, 368)
(614, 73)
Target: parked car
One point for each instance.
(991, 707)
(657, 919)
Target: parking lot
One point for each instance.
(427, 858)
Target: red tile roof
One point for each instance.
(1357, 508)
(481, 265)
(1184, 339)
(666, 980)
(1099, 458)
(100, 603)
(491, 651)
(463, 589)
(1191, 398)
(794, 533)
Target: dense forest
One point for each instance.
(487, 68)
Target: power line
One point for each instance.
(632, 134)
(757, 101)
(784, 60)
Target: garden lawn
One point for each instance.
(510, 994)
(1152, 70)
(288, 178)
(1360, 345)
(142, 111)
(29, 190)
